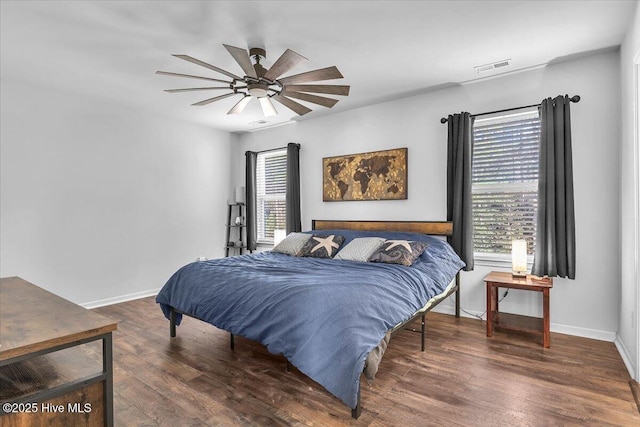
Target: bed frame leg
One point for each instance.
(422, 331)
(172, 323)
(232, 342)
(458, 294)
(355, 412)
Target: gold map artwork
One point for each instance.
(379, 175)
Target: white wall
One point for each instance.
(587, 306)
(628, 333)
(100, 201)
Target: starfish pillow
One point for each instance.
(322, 246)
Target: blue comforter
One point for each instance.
(323, 315)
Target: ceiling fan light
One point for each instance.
(267, 107)
(258, 92)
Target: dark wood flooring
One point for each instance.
(462, 379)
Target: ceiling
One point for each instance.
(385, 49)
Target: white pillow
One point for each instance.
(360, 249)
(292, 244)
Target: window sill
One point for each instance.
(497, 260)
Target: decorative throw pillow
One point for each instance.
(292, 244)
(360, 249)
(404, 252)
(319, 246)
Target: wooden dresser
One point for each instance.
(56, 366)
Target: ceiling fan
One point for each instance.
(267, 85)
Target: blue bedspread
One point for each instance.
(323, 315)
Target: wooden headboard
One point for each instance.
(434, 228)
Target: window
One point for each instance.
(505, 180)
(271, 181)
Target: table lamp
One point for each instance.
(519, 258)
(278, 236)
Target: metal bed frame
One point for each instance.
(433, 228)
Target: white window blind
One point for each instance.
(271, 181)
(505, 180)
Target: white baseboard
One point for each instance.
(626, 357)
(595, 334)
(450, 309)
(122, 298)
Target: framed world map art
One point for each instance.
(377, 175)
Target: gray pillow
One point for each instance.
(360, 249)
(404, 252)
(292, 244)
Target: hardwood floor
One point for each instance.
(462, 379)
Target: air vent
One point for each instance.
(492, 66)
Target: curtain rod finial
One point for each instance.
(443, 120)
(575, 98)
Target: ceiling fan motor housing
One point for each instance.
(257, 53)
(261, 88)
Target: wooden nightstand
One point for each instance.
(515, 322)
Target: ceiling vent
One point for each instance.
(492, 66)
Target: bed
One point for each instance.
(330, 318)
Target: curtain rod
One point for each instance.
(574, 98)
(275, 149)
(270, 150)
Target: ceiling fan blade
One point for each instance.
(209, 66)
(268, 108)
(292, 105)
(240, 105)
(331, 89)
(288, 60)
(196, 88)
(166, 73)
(320, 100)
(242, 58)
(217, 98)
(328, 73)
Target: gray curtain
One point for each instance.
(250, 199)
(294, 222)
(555, 252)
(459, 157)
